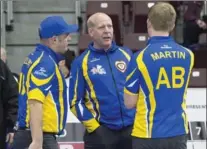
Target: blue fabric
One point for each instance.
(54, 26)
(105, 73)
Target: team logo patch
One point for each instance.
(120, 65)
(98, 70)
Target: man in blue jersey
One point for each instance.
(42, 88)
(96, 88)
(156, 85)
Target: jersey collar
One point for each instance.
(57, 57)
(156, 39)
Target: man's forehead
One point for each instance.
(64, 36)
(100, 22)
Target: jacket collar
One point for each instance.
(111, 49)
(57, 57)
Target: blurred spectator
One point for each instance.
(4, 59)
(8, 105)
(176, 5)
(64, 64)
(3, 55)
(194, 25)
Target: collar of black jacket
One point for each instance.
(111, 49)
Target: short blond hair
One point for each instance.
(162, 16)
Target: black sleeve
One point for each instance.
(10, 94)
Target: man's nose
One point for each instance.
(107, 29)
(69, 38)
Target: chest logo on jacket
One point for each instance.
(98, 70)
(121, 66)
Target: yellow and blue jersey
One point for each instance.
(41, 79)
(159, 74)
(96, 88)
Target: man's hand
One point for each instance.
(63, 68)
(201, 24)
(34, 145)
(9, 138)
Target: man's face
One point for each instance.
(102, 32)
(3, 55)
(62, 42)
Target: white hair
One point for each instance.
(3, 54)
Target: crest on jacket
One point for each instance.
(121, 66)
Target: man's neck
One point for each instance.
(99, 47)
(159, 33)
(48, 45)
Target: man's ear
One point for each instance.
(55, 38)
(172, 28)
(90, 32)
(148, 23)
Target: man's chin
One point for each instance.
(107, 44)
(64, 51)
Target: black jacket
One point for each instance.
(8, 102)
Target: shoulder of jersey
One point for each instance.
(126, 49)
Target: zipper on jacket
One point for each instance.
(117, 92)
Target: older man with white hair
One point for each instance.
(4, 59)
(8, 103)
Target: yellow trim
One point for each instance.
(143, 69)
(30, 70)
(75, 96)
(140, 128)
(128, 92)
(73, 110)
(125, 54)
(20, 82)
(185, 91)
(89, 104)
(61, 89)
(130, 75)
(21, 87)
(36, 94)
(28, 85)
(85, 74)
(40, 82)
(91, 125)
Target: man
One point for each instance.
(4, 59)
(96, 88)
(3, 55)
(194, 25)
(42, 89)
(157, 83)
(8, 105)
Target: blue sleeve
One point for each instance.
(132, 80)
(77, 92)
(39, 80)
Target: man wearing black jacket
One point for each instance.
(4, 59)
(8, 105)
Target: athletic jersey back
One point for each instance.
(160, 75)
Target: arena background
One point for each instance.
(19, 25)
